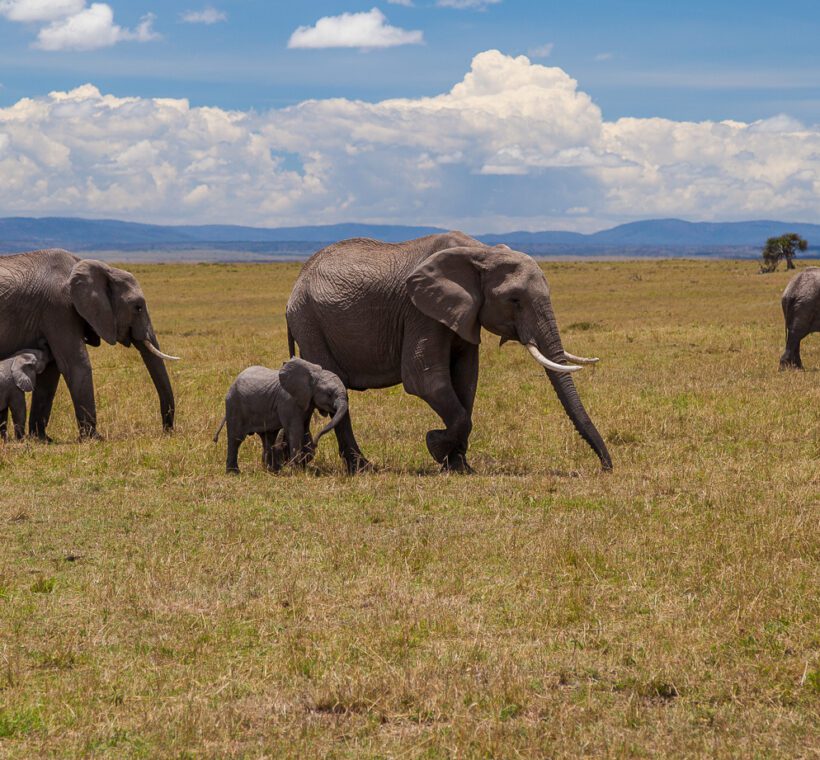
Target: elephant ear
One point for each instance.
(24, 372)
(89, 285)
(447, 287)
(297, 379)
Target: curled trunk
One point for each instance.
(338, 414)
(159, 375)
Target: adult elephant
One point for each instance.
(378, 314)
(56, 298)
(801, 310)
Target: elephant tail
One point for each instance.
(219, 429)
(291, 344)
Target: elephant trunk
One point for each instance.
(549, 343)
(339, 412)
(159, 375)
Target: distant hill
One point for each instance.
(657, 237)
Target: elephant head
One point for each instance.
(504, 291)
(26, 366)
(112, 303)
(309, 384)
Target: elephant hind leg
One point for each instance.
(18, 416)
(232, 461)
(4, 423)
(791, 356)
(42, 400)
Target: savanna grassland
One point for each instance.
(151, 606)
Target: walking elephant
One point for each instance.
(56, 298)
(378, 314)
(801, 310)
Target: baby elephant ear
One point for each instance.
(24, 373)
(91, 296)
(447, 287)
(297, 379)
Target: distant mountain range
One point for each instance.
(659, 237)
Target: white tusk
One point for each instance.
(580, 359)
(550, 365)
(156, 352)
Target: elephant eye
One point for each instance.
(515, 301)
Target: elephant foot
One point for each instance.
(787, 365)
(356, 463)
(447, 452)
(457, 463)
(232, 471)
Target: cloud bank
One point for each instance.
(512, 145)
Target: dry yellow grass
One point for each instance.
(151, 606)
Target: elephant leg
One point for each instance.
(18, 416)
(4, 423)
(234, 442)
(271, 458)
(76, 369)
(791, 356)
(42, 400)
(295, 436)
(464, 372)
(449, 446)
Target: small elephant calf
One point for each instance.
(264, 401)
(18, 376)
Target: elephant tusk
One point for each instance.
(550, 365)
(156, 352)
(580, 359)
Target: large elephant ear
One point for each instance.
(89, 285)
(24, 372)
(447, 287)
(297, 379)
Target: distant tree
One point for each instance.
(783, 247)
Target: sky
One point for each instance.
(484, 115)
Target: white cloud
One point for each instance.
(71, 25)
(39, 10)
(478, 5)
(90, 29)
(542, 51)
(513, 145)
(208, 15)
(405, 3)
(604, 57)
(353, 30)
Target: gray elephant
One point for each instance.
(18, 376)
(801, 309)
(53, 297)
(263, 401)
(378, 314)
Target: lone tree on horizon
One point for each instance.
(783, 247)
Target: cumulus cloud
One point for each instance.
(353, 30)
(208, 15)
(74, 26)
(512, 145)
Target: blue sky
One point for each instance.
(685, 63)
(693, 60)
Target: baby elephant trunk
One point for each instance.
(340, 410)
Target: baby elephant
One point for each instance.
(265, 401)
(18, 375)
(801, 309)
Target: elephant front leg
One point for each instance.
(18, 416)
(42, 400)
(81, 387)
(4, 423)
(444, 376)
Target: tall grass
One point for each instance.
(151, 606)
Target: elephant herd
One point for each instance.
(363, 314)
